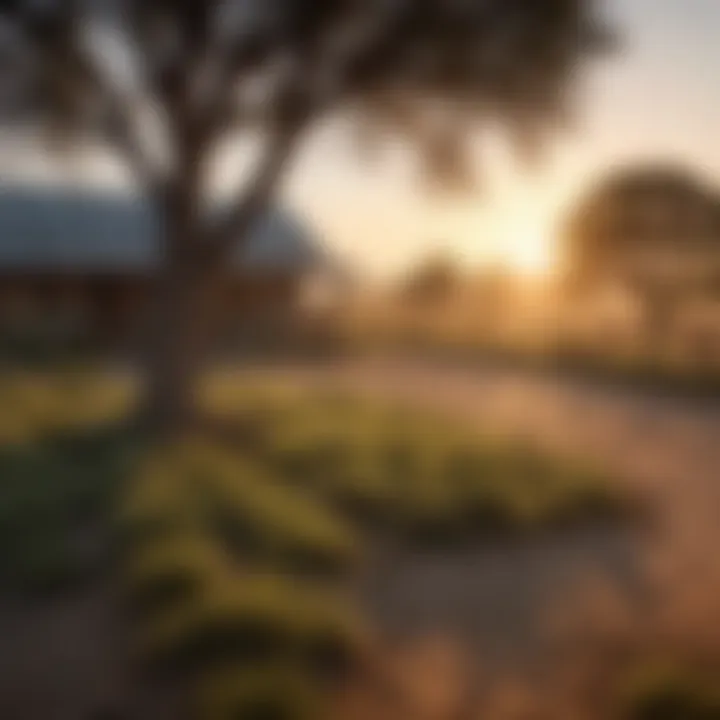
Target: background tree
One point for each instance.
(653, 231)
(166, 83)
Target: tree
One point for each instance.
(653, 230)
(166, 82)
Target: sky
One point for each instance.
(657, 99)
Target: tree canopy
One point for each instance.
(651, 230)
(649, 225)
(199, 69)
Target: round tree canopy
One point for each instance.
(645, 226)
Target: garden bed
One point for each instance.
(236, 561)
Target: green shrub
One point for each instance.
(259, 518)
(158, 501)
(246, 619)
(361, 490)
(249, 618)
(263, 519)
(170, 571)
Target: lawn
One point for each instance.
(235, 557)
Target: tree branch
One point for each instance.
(253, 200)
(124, 137)
(119, 128)
(71, 66)
(306, 92)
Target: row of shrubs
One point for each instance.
(417, 476)
(236, 582)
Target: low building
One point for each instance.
(83, 264)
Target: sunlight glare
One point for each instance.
(528, 250)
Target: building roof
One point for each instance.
(61, 230)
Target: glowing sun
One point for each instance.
(528, 250)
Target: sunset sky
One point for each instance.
(658, 99)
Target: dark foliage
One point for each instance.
(431, 68)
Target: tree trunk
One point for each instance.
(177, 341)
(177, 350)
(193, 255)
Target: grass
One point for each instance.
(235, 561)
